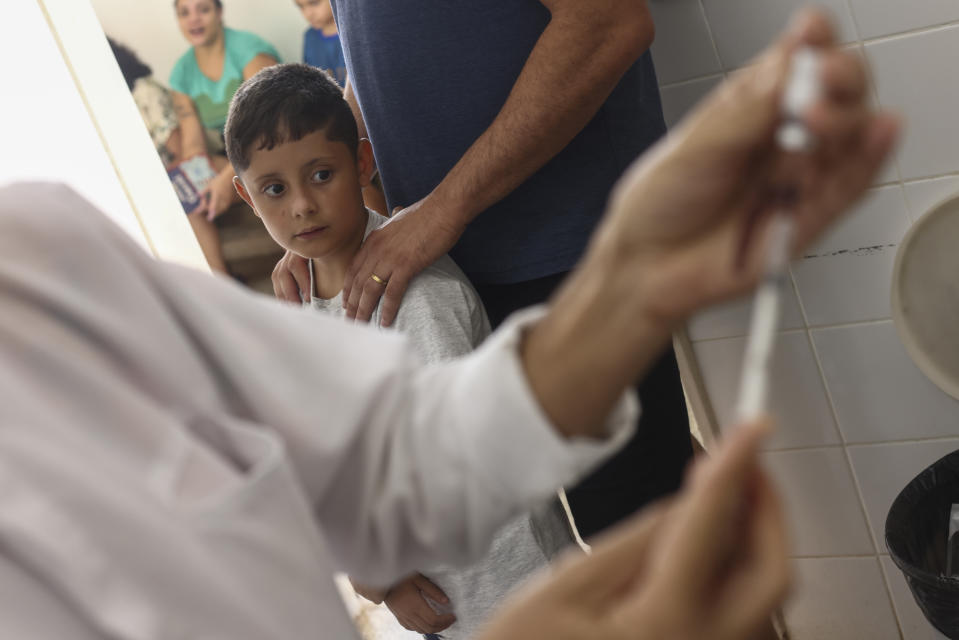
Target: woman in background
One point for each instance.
(204, 80)
(155, 103)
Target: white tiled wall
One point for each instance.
(857, 418)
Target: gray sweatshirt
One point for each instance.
(443, 315)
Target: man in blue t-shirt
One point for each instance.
(321, 42)
(501, 127)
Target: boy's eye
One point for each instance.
(274, 189)
(322, 175)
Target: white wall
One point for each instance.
(858, 420)
(150, 29)
(46, 130)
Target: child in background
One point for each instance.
(321, 42)
(301, 166)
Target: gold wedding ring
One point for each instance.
(378, 279)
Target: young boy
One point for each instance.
(321, 42)
(301, 166)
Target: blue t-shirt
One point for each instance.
(325, 53)
(431, 77)
(212, 97)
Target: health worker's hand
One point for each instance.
(690, 219)
(710, 565)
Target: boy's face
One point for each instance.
(309, 194)
(318, 13)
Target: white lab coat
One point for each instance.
(180, 458)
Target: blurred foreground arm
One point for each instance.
(709, 566)
(686, 224)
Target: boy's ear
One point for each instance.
(364, 162)
(241, 190)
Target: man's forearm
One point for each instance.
(575, 65)
(597, 340)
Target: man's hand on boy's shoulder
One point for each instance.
(394, 254)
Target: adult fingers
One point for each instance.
(426, 585)
(421, 624)
(843, 76)
(412, 623)
(846, 177)
(842, 111)
(421, 617)
(367, 295)
(393, 296)
(619, 558)
(701, 534)
(759, 578)
(437, 623)
(352, 280)
(838, 124)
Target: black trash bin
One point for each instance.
(916, 535)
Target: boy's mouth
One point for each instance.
(311, 232)
(197, 31)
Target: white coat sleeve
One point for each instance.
(403, 465)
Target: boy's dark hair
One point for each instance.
(284, 103)
(131, 66)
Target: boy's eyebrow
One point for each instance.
(317, 159)
(278, 174)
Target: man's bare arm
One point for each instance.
(574, 66)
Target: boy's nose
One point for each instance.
(303, 205)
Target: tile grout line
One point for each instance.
(874, 89)
(943, 26)
(857, 445)
(842, 438)
(862, 500)
(712, 38)
(837, 424)
(938, 176)
(837, 325)
(851, 556)
(681, 83)
(892, 600)
(815, 355)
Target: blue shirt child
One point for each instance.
(324, 52)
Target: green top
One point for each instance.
(212, 98)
